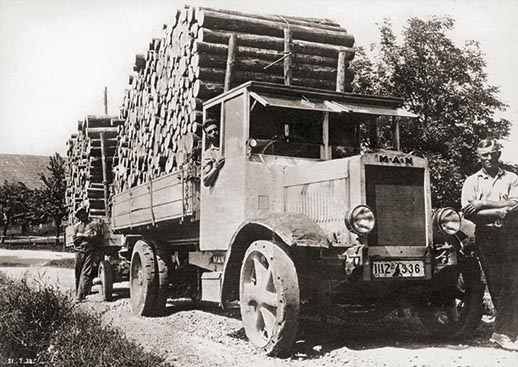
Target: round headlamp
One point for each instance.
(360, 220)
(447, 221)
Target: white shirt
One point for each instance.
(481, 186)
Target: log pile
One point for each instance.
(90, 155)
(202, 53)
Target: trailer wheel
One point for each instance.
(269, 298)
(105, 275)
(148, 281)
(455, 309)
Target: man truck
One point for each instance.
(316, 204)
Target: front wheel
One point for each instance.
(456, 306)
(269, 298)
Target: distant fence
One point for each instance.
(30, 240)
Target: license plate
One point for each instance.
(398, 269)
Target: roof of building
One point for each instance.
(23, 168)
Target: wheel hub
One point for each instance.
(140, 278)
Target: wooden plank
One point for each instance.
(169, 210)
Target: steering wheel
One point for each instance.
(272, 141)
(283, 139)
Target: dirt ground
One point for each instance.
(207, 336)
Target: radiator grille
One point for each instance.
(396, 196)
(324, 202)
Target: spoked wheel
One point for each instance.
(105, 275)
(148, 281)
(269, 298)
(457, 306)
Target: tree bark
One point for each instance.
(211, 19)
(310, 22)
(217, 36)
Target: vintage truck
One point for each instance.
(316, 204)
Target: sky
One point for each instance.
(56, 56)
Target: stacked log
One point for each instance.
(202, 53)
(90, 154)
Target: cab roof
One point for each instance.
(291, 96)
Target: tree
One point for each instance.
(447, 87)
(50, 201)
(15, 200)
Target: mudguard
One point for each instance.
(294, 230)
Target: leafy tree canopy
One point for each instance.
(15, 199)
(50, 200)
(447, 86)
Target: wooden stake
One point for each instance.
(105, 100)
(288, 37)
(105, 171)
(340, 72)
(231, 58)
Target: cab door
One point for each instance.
(223, 203)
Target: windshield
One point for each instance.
(286, 131)
(300, 133)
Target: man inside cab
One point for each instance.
(212, 160)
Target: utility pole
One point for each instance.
(106, 100)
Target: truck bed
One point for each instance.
(174, 196)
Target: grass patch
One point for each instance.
(69, 263)
(43, 326)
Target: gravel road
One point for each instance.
(207, 336)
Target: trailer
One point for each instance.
(309, 209)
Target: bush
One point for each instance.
(29, 316)
(43, 325)
(69, 263)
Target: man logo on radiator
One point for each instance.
(407, 161)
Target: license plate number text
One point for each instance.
(398, 269)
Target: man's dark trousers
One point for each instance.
(84, 273)
(498, 250)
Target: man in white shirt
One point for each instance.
(489, 199)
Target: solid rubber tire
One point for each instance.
(148, 281)
(106, 277)
(473, 310)
(283, 280)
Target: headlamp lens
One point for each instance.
(448, 221)
(360, 220)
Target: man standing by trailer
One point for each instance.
(85, 237)
(489, 198)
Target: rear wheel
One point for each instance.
(456, 307)
(105, 275)
(148, 281)
(269, 298)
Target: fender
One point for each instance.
(294, 230)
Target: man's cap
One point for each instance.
(80, 210)
(208, 122)
(488, 145)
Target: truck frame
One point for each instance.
(310, 209)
